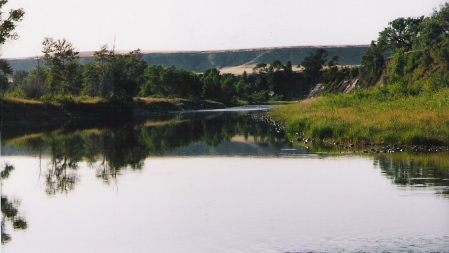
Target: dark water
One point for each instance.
(216, 181)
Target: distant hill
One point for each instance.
(232, 61)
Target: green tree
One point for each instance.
(260, 68)
(434, 29)
(313, 64)
(401, 33)
(189, 84)
(397, 75)
(276, 78)
(398, 62)
(241, 87)
(57, 53)
(288, 69)
(8, 25)
(373, 63)
(73, 78)
(126, 73)
(19, 76)
(331, 75)
(228, 86)
(5, 72)
(34, 86)
(91, 79)
(152, 85)
(440, 52)
(101, 58)
(211, 83)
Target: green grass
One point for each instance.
(380, 114)
(89, 100)
(22, 101)
(280, 102)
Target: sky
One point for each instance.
(199, 25)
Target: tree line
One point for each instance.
(123, 77)
(427, 38)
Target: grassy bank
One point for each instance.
(381, 114)
(22, 111)
(17, 111)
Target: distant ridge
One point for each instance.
(199, 61)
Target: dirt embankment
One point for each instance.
(345, 86)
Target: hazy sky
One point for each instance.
(205, 24)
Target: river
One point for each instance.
(213, 181)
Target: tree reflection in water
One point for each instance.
(10, 212)
(111, 150)
(65, 153)
(417, 170)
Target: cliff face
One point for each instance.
(200, 61)
(345, 86)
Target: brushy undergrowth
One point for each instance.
(398, 113)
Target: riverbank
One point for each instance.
(377, 115)
(24, 112)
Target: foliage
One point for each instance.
(401, 33)
(125, 73)
(57, 55)
(166, 82)
(313, 64)
(373, 63)
(211, 83)
(440, 53)
(8, 25)
(34, 85)
(10, 210)
(5, 71)
(433, 29)
(399, 62)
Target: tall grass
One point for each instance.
(402, 114)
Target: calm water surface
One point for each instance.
(214, 182)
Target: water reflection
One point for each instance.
(109, 150)
(10, 212)
(417, 170)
